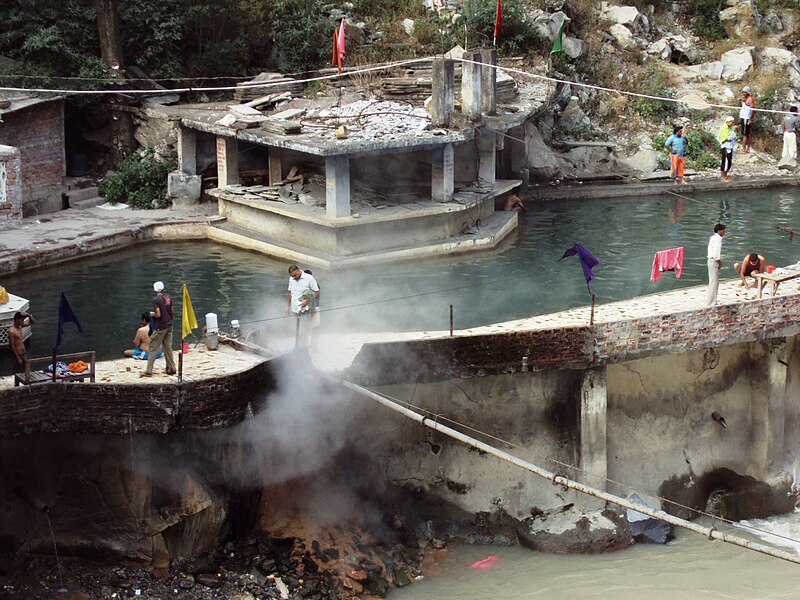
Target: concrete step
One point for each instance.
(87, 203)
(82, 194)
(491, 232)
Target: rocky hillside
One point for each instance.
(698, 52)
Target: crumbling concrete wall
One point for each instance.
(10, 186)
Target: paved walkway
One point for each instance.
(337, 352)
(72, 231)
(199, 363)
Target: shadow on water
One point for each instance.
(520, 278)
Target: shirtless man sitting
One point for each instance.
(751, 264)
(19, 353)
(141, 342)
(514, 202)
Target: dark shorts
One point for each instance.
(746, 127)
(16, 367)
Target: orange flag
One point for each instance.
(335, 60)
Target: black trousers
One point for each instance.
(726, 154)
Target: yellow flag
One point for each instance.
(189, 321)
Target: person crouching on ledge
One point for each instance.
(751, 265)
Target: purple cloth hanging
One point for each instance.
(588, 262)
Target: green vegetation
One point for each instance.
(653, 82)
(700, 154)
(704, 15)
(518, 35)
(140, 180)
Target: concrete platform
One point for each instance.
(376, 233)
(199, 364)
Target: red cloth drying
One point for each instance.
(668, 260)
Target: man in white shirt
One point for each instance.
(714, 263)
(303, 293)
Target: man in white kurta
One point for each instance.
(714, 263)
(300, 305)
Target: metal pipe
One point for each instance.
(31, 499)
(710, 532)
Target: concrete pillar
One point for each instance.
(471, 86)
(227, 161)
(489, 81)
(444, 93)
(594, 405)
(187, 151)
(768, 413)
(337, 186)
(442, 173)
(275, 168)
(486, 158)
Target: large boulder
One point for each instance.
(737, 63)
(694, 104)
(623, 37)
(574, 48)
(780, 60)
(573, 119)
(541, 160)
(675, 48)
(569, 530)
(625, 15)
(643, 161)
(741, 19)
(548, 25)
(705, 71)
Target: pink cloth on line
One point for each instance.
(668, 260)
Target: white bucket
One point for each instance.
(211, 323)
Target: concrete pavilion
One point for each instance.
(376, 195)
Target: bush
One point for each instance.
(517, 35)
(704, 15)
(140, 180)
(654, 83)
(707, 161)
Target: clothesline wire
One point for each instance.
(389, 66)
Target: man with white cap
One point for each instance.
(746, 114)
(163, 312)
(727, 141)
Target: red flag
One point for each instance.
(498, 22)
(342, 50)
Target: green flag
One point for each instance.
(558, 46)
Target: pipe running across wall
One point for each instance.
(710, 532)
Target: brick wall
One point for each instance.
(152, 408)
(38, 132)
(10, 186)
(575, 348)
(722, 325)
(469, 356)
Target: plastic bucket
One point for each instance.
(185, 348)
(211, 323)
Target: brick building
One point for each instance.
(34, 125)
